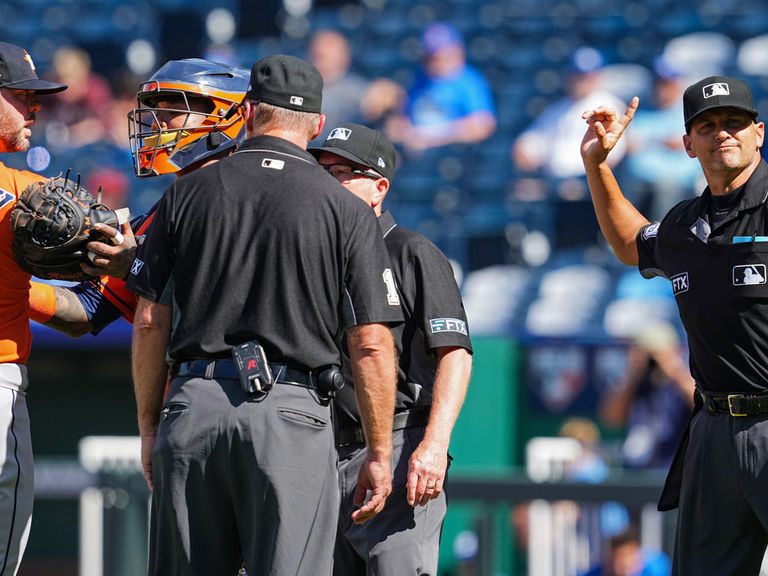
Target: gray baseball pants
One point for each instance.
(17, 475)
(401, 540)
(240, 477)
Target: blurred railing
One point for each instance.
(113, 497)
(552, 541)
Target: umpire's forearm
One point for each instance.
(374, 367)
(151, 334)
(619, 220)
(450, 388)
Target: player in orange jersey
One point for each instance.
(19, 88)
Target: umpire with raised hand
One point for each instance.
(272, 260)
(435, 361)
(714, 251)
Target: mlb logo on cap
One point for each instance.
(339, 134)
(361, 145)
(716, 89)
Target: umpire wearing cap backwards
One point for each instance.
(714, 250)
(433, 374)
(272, 259)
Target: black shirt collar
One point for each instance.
(755, 190)
(386, 223)
(278, 145)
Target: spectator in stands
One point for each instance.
(549, 146)
(653, 398)
(590, 465)
(450, 101)
(656, 159)
(79, 117)
(626, 557)
(343, 90)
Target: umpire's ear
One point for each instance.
(382, 187)
(687, 145)
(320, 127)
(250, 113)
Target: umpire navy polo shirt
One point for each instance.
(265, 244)
(434, 317)
(720, 280)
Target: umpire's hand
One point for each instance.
(147, 444)
(375, 476)
(426, 472)
(604, 128)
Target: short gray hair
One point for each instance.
(267, 117)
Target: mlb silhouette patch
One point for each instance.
(716, 89)
(272, 163)
(339, 134)
(749, 275)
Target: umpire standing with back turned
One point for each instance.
(272, 259)
(714, 251)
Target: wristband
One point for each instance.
(42, 302)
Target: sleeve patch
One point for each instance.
(651, 231)
(5, 197)
(136, 267)
(448, 325)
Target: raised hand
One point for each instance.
(604, 128)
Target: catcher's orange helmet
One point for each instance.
(208, 95)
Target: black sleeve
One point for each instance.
(437, 303)
(649, 262)
(370, 292)
(155, 259)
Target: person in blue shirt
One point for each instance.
(450, 102)
(626, 557)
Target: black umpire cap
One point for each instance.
(17, 71)
(362, 145)
(287, 82)
(716, 92)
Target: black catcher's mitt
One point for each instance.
(51, 224)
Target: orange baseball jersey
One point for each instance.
(15, 335)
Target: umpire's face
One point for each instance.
(17, 114)
(724, 140)
(362, 181)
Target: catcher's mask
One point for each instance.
(206, 99)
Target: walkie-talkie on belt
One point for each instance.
(252, 367)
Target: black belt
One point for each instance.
(225, 369)
(401, 420)
(735, 404)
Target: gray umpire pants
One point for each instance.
(399, 541)
(238, 477)
(722, 524)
